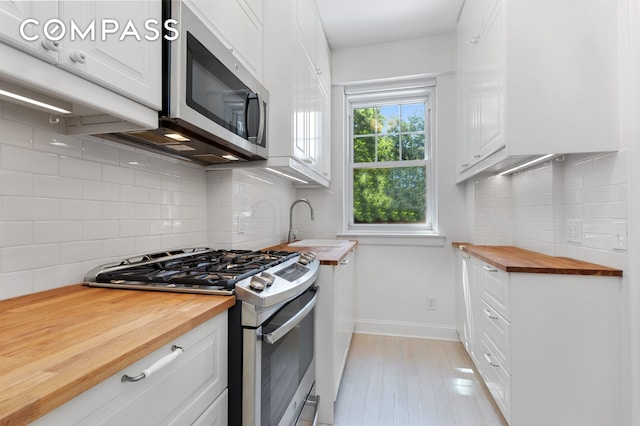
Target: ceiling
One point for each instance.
(349, 23)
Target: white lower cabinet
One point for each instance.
(335, 323)
(191, 389)
(546, 345)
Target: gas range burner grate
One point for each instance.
(204, 268)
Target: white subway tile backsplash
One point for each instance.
(56, 187)
(16, 134)
(118, 247)
(147, 179)
(97, 150)
(134, 194)
(16, 284)
(55, 143)
(134, 228)
(77, 251)
(92, 190)
(56, 231)
(160, 227)
(118, 210)
(100, 229)
(134, 159)
(29, 208)
(15, 233)
(57, 276)
(80, 169)
(20, 258)
(28, 160)
(117, 174)
(15, 183)
(80, 209)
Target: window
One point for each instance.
(390, 176)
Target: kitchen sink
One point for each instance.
(318, 243)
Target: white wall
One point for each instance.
(394, 281)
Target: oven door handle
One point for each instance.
(282, 331)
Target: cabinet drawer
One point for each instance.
(176, 394)
(497, 333)
(495, 289)
(217, 414)
(497, 379)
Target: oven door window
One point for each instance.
(215, 92)
(285, 362)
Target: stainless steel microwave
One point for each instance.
(213, 109)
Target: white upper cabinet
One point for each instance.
(535, 78)
(128, 66)
(238, 24)
(299, 88)
(12, 16)
(106, 43)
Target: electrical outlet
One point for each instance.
(574, 231)
(431, 303)
(620, 235)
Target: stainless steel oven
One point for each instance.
(272, 382)
(279, 364)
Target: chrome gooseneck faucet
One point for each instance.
(292, 232)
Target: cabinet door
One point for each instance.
(324, 157)
(468, 105)
(239, 27)
(474, 313)
(490, 85)
(344, 292)
(14, 13)
(118, 61)
(300, 102)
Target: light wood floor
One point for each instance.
(395, 381)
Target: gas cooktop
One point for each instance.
(193, 270)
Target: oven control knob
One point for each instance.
(269, 278)
(306, 258)
(258, 283)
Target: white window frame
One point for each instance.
(393, 94)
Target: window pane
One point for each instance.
(413, 117)
(413, 146)
(364, 121)
(389, 195)
(388, 148)
(389, 119)
(364, 149)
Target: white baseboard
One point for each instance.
(407, 329)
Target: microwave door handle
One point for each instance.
(285, 328)
(263, 119)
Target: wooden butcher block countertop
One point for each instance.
(59, 343)
(327, 255)
(514, 259)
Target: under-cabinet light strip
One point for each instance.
(31, 101)
(525, 165)
(278, 172)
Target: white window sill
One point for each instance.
(395, 239)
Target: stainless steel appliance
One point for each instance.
(214, 110)
(271, 327)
